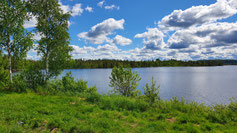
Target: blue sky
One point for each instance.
(150, 29)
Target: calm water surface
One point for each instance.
(209, 85)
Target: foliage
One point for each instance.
(124, 81)
(66, 86)
(53, 27)
(19, 84)
(33, 81)
(233, 104)
(14, 39)
(4, 77)
(28, 79)
(28, 112)
(33, 78)
(152, 93)
(80, 63)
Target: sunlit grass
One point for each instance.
(31, 112)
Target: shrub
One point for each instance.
(30, 78)
(152, 93)
(68, 85)
(18, 84)
(233, 104)
(124, 81)
(79, 86)
(54, 87)
(34, 81)
(4, 78)
(27, 80)
(33, 78)
(93, 98)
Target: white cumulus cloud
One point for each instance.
(89, 9)
(99, 33)
(207, 35)
(77, 10)
(65, 8)
(153, 38)
(198, 15)
(122, 40)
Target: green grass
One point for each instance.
(30, 112)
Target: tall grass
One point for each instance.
(30, 112)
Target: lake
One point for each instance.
(208, 85)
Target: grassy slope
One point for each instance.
(35, 113)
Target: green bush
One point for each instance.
(34, 78)
(27, 80)
(92, 97)
(233, 104)
(67, 85)
(79, 86)
(18, 84)
(30, 78)
(152, 93)
(34, 81)
(124, 81)
(4, 78)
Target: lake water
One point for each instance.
(208, 85)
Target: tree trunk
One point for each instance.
(47, 66)
(9, 60)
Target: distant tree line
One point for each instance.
(79, 63)
(104, 63)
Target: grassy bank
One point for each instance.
(30, 112)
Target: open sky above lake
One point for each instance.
(150, 29)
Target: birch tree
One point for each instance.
(53, 27)
(14, 39)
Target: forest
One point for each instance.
(79, 63)
(107, 63)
